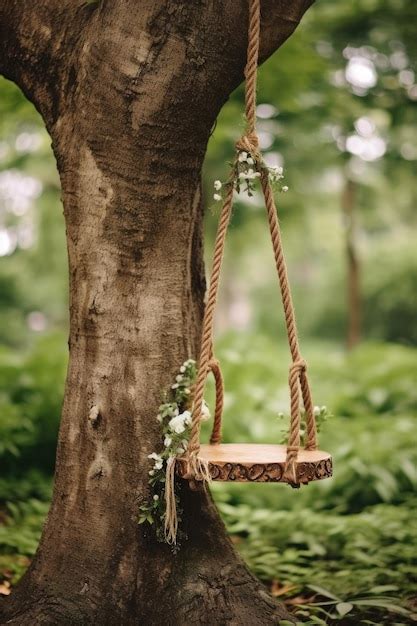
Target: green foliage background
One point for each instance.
(344, 551)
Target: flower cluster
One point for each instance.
(174, 416)
(321, 413)
(245, 172)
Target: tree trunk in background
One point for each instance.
(353, 266)
(129, 92)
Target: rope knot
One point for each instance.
(249, 143)
(298, 367)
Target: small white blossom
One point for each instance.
(316, 411)
(155, 456)
(187, 391)
(182, 369)
(177, 424)
(159, 418)
(217, 197)
(151, 472)
(158, 464)
(156, 497)
(174, 386)
(242, 156)
(285, 188)
(217, 185)
(187, 417)
(184, 444)
(250, 161)
(178, 378)
(167, 441)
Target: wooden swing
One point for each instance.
(240, 462)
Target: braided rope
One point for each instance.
(298, 380)
(216, 434)
(207, 334)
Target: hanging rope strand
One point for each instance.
(251, 69)
(298, 374)
(207, 334)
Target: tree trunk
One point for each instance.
(129, 92)
(353, 267)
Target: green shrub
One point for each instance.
(31, 388)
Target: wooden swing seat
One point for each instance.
(263, 463)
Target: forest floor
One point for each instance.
(343, 551)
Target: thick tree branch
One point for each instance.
(52, 47)
(37, 42)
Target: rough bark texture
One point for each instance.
(129, 92)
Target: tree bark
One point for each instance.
(129, 92)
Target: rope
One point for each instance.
(298, 380)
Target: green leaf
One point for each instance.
(324, 592)
(343, 608)
(382, 604)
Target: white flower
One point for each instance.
(187, 391)
(187, 417)
(156, 497)
(242, 156)
(250, 161)
(184, 444)
(217, 197)
(174, 386)
(217, 185)
(205, 411)
(178, 378)
(177, 424)
(167, 441)
(316, 411)
(151, 472)
(159, 418)
(158, 460)
(182, 369)
(285, 188)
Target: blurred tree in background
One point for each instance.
(337, 108)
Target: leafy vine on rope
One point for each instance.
(174, 416)
(246, 169)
